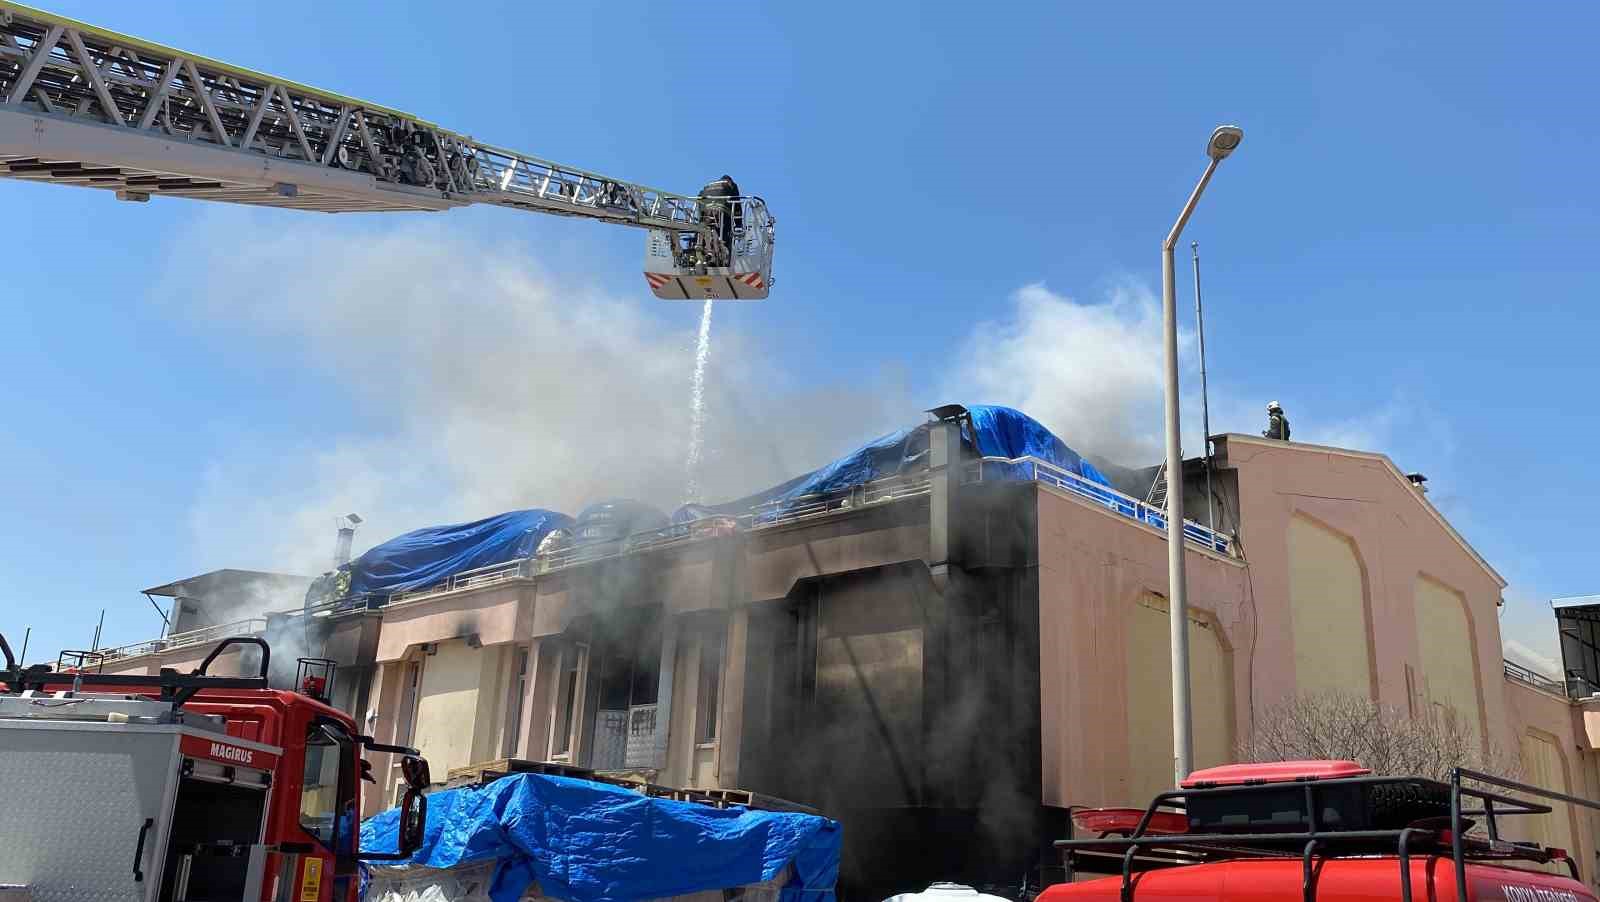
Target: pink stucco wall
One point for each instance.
(1397, 536)
(1093, 565)
(494, 614)
(1529, 711)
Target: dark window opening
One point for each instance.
(629, 663)
(625, 662)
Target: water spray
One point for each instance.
(697, 405)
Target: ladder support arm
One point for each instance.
(143, 90)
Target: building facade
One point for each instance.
(948, 660)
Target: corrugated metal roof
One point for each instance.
(1576, 601)
(205, 583)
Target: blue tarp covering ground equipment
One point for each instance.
(995, 432)
(585, 841)
(429, 556)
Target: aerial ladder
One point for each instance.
(81, 105)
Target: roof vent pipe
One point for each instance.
(347, 536)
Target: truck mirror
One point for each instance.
(415, 770)
(413, 820)
(410, 829)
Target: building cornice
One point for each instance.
(1236, 438)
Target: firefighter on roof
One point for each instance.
(1277, 423)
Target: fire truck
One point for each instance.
(1320, 830)
(185, 787)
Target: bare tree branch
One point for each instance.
(1384, 738)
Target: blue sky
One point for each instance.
(1400, 252)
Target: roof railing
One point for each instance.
(1575, 688)
(249, 626)
(1032, 469)
(714, 526)
(786, 511)
(804, 507)
(1530, 677)
(466, 579)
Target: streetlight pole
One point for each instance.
(1223, 141)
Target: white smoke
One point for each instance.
(1089, 371)
(1092, 371)
(483, 384)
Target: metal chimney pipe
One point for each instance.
(347, 537)
(341, 553)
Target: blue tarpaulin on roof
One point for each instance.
(1010, 433)
(996, 432)
(586, 841)
(428, 556)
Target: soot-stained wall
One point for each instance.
(908, 713)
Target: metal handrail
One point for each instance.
(785, 511)
(467, 579)
(1534, 679)
(245, 627)
(1037, 470)
(712, 526)
(766, 515)
(789, 510)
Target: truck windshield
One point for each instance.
(327, 793)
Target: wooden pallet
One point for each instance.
(697, 795)
(489, 771)
(635, 781)
(728, 798)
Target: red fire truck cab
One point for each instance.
(184, 787)
(1320, 830)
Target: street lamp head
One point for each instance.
(1224, 140)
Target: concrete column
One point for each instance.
(670, 627)
(385, 702)
(544, 662)
(488, 723)
(678, 764)
(735, 664)
(944, 462)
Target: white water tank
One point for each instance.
(947, 892)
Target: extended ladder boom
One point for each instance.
(80, 105)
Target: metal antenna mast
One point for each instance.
(1205, 400)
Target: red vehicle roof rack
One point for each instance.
(1272, 772)
(1307, 836)
(1124, 821)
